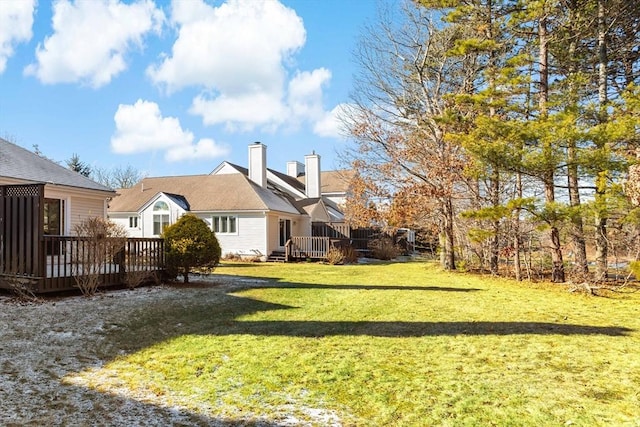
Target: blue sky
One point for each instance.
(174, 88)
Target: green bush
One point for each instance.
(190, 243)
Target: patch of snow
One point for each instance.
(47, 345)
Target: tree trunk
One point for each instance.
(448, 257)
(557, 272)
(601, 180)
(517, 267)
(495, 241)
(581, 266)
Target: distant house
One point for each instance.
(335, 184)
(254, 211)
(69, 197)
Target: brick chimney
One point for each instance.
(312, 175)
(258, 164)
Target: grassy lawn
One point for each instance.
(384, 344)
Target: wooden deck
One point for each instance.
(46, 263)
(63, 258)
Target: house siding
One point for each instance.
(123, 220)
(77, 208)
(80, 204)
(250, 237)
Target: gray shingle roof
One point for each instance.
(20, 163)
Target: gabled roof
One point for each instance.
(19, 163)
(202, 193)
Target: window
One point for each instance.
(133, 222)
(160, 222)
(160, 206)
(53, 216)
(224, 224)
(160, 217)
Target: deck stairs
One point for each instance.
(277, 256)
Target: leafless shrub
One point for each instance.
(383, 248)
(335, 256)
(350, 254)
(101, 243)
(135, 278)
(230, 256)
(19, 286)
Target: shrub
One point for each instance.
(230, 256)
(342, 255)
(135, 278)
(101, 242)
(335, 256)
(350, 254)
(189, 243)
(383, 248)
(21, 287)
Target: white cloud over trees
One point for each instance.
(16, 22)
(91, 39)
(142, 128)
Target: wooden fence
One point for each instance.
(21, 229)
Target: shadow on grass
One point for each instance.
(277, 284)
(214, 311)
(219, 316)
(416, 329)
(370, 287)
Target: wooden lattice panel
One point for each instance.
(22, 190)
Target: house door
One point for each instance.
(285, 231)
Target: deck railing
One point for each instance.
(61, 259)
(302, 247)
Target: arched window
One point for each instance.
(160, 206)
(160, 217)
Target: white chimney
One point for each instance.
(312, 175)
(258, 164)
(295, 169)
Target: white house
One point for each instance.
(253, 210)
(70, 197)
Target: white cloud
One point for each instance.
(16, 21)
(235, 48)
(305, 93)
(142, 128)
(242, 112)
(90, 40)
(239, 54)
(331, 123)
